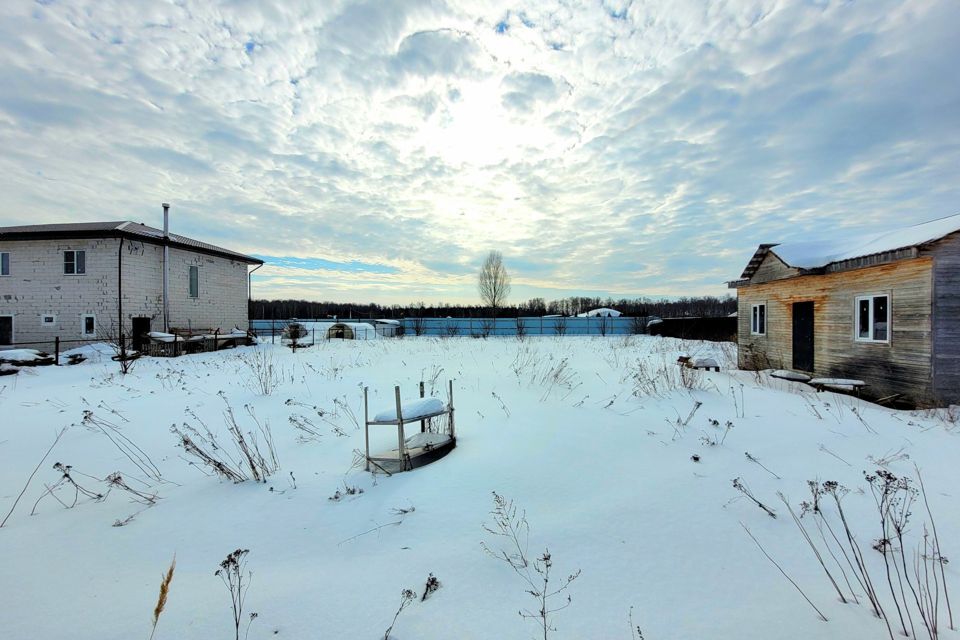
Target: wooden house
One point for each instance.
(884, 309)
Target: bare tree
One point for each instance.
(494, 282)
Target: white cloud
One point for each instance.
(622, 147)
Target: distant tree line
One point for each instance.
(687, 307)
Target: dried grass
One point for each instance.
(162, 597)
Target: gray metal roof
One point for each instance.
(65, 227)
(826, 254)
(120, 228)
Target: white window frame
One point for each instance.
(43, 319)
(190, 271)
(75, 252)
(856, 317)
(83, 325)
(2, 254)
(13, 327)
(754, 315)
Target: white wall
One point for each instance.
(37, 286)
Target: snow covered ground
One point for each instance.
(587, 435)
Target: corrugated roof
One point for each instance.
(65, 227)
(814, 255)
(119, 228)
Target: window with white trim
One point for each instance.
(74, 263)
(88, 325)
(758, 319)
(48, 321)
(4, 264)
(194, 282)
(873, 319)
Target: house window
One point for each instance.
(758, 320)
(74, 263)
(194, 282)
(48, 321)
(4, 264)
(873, 319)
(89, 325)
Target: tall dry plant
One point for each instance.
(233, 572)
(513, 534)
(263, 375)
(164, 592)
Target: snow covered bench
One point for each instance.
(793, 376)
(837, 384)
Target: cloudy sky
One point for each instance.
(378, 150)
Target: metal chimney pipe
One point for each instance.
(166, 262)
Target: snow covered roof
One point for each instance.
(819, 254)
(600, 313)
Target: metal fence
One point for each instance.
(529, 326)
(53, 347)
(56, 346)
(320, 329)
(481, 327)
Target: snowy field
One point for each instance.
(593, 438)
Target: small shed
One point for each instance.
(884, 308)
(387, 328)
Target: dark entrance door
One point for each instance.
(6, 330)
(803, 336)
(141, 327)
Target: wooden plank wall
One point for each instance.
(773, 268)
(946, 319)
(902, 366)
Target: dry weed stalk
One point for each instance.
(254, 463)
(813, 546)
(515, 530)
(127, 447)
(407, 596)
(66, 479)
(784, 573)
(162, 597)
(30, 477)
(745, 490)
(263, 375)
(232, 572)
(935, 549)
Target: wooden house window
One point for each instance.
(74, 263)
(873, 319)
(758, 320)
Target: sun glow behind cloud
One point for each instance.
(627, 148)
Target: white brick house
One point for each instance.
(85, 281)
